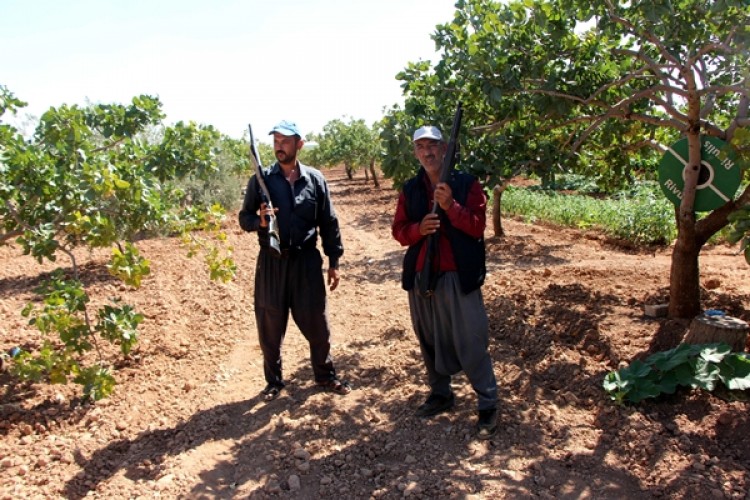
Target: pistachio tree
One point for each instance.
(91, 178)
(350, 142)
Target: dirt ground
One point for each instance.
(187, 421)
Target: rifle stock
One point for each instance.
(428, 277)
(274, 242)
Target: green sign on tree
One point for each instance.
(719, 176)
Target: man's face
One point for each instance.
(286, 146)
(430, 154)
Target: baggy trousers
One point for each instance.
(452, 328)
(293, 282)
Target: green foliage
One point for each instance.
(97, 382)
(119, 325)
(740, 230)
(63, 314)
(688, 365)
(581, 184)
(128, 265)
(351, 143)
(218, 258)
(104, 176)
(224, 186)
(642, 216)
(397, 157)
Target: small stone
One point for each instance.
(712, 284)
(273, 486)
(294, 482)
(303, 466)
(656, 310)
(725, 418)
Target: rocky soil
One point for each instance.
(187, 421)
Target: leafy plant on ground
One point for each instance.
(64, 313)
(687, 365)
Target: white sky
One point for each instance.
(226, 63)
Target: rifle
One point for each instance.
(274, 242)
(428, 278)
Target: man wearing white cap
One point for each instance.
(451, 323)
(293, 282)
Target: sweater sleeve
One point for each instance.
(404, 230)
(471, 218)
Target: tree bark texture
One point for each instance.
(497, 222)
(684, 280)
(711, 329)
(374, 174)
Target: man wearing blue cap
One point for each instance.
(451, 322)
(293, 282)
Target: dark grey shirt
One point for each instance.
(303, 210)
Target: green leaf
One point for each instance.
(668, 360)
(715, 353)
(706, 374)
(735, 371)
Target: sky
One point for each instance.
(226, 63)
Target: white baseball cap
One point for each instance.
(427, 132)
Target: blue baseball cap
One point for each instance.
(285, 127)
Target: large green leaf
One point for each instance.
(735, 371)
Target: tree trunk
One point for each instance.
(684, 276)
(497, 196)
(374, 174)
(349, 171)
(684, 280)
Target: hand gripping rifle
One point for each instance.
(274, 242)
(428, 277)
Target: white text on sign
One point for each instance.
(673, 188)
(727, 163)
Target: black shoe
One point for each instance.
(487, 423)
(435, 404)
(271, 392)
(341, 387)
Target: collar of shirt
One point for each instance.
(301, 168)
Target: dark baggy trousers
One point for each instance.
(293, 282)
(452, 328)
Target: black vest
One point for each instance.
(468, 252)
